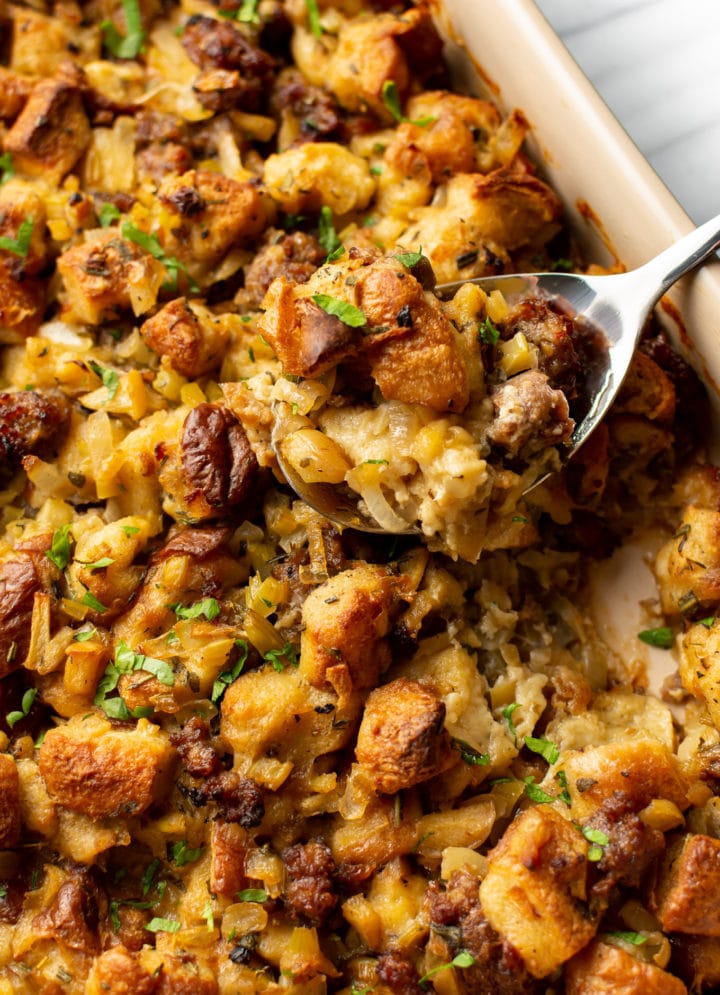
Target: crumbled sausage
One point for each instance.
(160, 159)
(456, 912)
(238, 798)
(314, 108)
(196, 752)
(632, 847)
(72, 919)
(216, 456)
(529, 415)
(31, 423)
(214, 44)
(401, 740)
(399, 974)
(51, 132)
(193, 340)
(552, 333)
(309, 892)
(295, 256)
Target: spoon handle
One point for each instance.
(664, 270)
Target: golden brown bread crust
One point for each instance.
(401, 741)
(605, 969)
(10, 802)
(684, 893)
(90, 767)
(192, 347)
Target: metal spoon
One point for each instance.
(617, 305)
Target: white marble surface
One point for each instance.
(656, 63)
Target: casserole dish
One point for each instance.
(243, 752)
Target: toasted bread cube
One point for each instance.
(684, 895)
(107, 275)
(346, 622)
(688, 565)
(51, 132)
(9, 802)
(641, 769)
(119, 970)
(93, 768)
(401, 740)
(535, 890)
(604, 969)
(700, 666)
(193, 338)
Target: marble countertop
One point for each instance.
(656, 63)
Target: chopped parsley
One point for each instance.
(109, 377)
(314, 18)
(208, 916)
(182, 854)
(280, 658)
(91, 601)
(252, 895)
(226, 678)
(662, 637)
(248, 13)
(25, 705)
(547, 750)
(391, 99)
(146, 882)
(507, 714)
(151, 244)
(598, 838)
(7, 169)
(630, 936)
(130, 530)
(536, 794)
(59, 552)
(129, 46)
(84, 635)
(20, 245)
(126, 661)
(469, 755)
(107, 214)
(562, 265)
(409, 259)
(488, 333)
(209, 607)
(157, 925)
(327, 236)
(347, 313)
(463, 959)
(564, 796)
(101, 564)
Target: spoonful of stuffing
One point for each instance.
(409, 407)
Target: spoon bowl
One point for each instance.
(615, 306)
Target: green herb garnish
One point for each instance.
(92, 602)
(598, 838)
(182, 854)
(327, 236)
(84, 635)
(409, 259)
(507, 714)
(280, 658)
(347, 313)
(109, 377)
(59, 552)
(209, 607)
(7, 169)
(488, 333)
(470, 755)
(151, 244)
(26, 704)
(547, 750)
(157, 925)
(104, 561)
(20, 245)
(637, 939)
(248, 13)
(107, 214)
(127, 47)
(536, 794)
(463, 959)
(314, 18)
(662, 637)
(252, 895)
(391, 99)
(226, 678)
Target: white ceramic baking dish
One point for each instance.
(617, 207)
(589, 160)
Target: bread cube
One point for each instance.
(605, 969)
(684, 895)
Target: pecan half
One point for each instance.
(216, 456)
